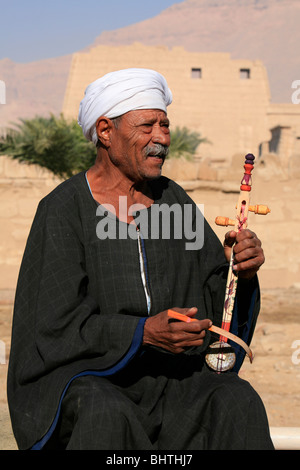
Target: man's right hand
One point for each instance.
(175, 336)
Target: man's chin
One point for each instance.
(153, 175)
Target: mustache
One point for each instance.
(157, 149)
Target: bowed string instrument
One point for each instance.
(220, 355)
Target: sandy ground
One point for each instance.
(274, 373)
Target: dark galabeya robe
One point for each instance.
(80, 303)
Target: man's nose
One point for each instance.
(161, 135)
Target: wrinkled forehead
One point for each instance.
(147, 115)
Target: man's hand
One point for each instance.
(175, 336)
(248, 253)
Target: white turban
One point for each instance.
(116, 93)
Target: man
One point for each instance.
(96, 362)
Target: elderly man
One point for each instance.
(96, 362)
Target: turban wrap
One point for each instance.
(118, 92)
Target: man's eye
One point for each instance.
(147, 127)
(165, 124)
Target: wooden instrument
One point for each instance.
(220, 356)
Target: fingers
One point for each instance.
(229, 239)
(175, 335)
(186, 338)
(248, 254)
(184, 335)
(195, 327)
(185, 312)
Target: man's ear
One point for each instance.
(104, 128)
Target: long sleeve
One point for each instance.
(54, 289)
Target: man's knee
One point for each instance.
(95, 399)
(235, 394)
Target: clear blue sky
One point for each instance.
(38, 29)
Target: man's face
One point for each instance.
(140, 143)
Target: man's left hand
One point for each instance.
(248, 253)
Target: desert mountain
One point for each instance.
(35, 88)
(267, 30)
(249, 29)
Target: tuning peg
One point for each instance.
(224, 221)
(259, 209)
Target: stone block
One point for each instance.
(27, 207)
(8, 208)
(180, 169)
(294, 166)
(206, 172)
(20, 234)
